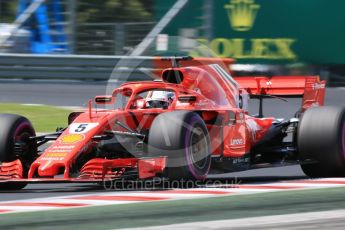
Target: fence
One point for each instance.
(72, 26)
(110, 38)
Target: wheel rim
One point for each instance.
(21, 130)
(198, 148)
(22, 133)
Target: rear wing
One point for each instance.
(310, 88)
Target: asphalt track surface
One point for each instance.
(310, 220)
(77, 94)
(298, 209)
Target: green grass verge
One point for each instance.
(179, 211)
(44, 118)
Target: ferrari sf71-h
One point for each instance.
(191, 121)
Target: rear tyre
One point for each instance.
(321, 139)
(183, 137)
(16, 129)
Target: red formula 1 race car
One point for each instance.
(191, 122)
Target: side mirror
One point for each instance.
(187, 98)
(106, 99)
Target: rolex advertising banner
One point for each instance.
(265, 31)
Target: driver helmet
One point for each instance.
(159, 99)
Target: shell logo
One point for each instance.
(72, 138)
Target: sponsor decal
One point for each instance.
(202, 103)
(256, 48)
(238, 141)
(240, 160)
(242, 15)
(240, 119)
(317, 86)
(61, 149)
(52, 156)
(72, 138)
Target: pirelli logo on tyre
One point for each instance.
(72, 138)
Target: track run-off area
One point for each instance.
(234, 205)
(112, 195)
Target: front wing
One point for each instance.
(94, 171)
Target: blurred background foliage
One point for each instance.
(8, 10)
(114, 10)
(89, 11)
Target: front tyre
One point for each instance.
(321, 141)
(183, 137)
(15, 129)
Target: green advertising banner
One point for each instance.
(272, 31)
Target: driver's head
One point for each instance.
(159, 99)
